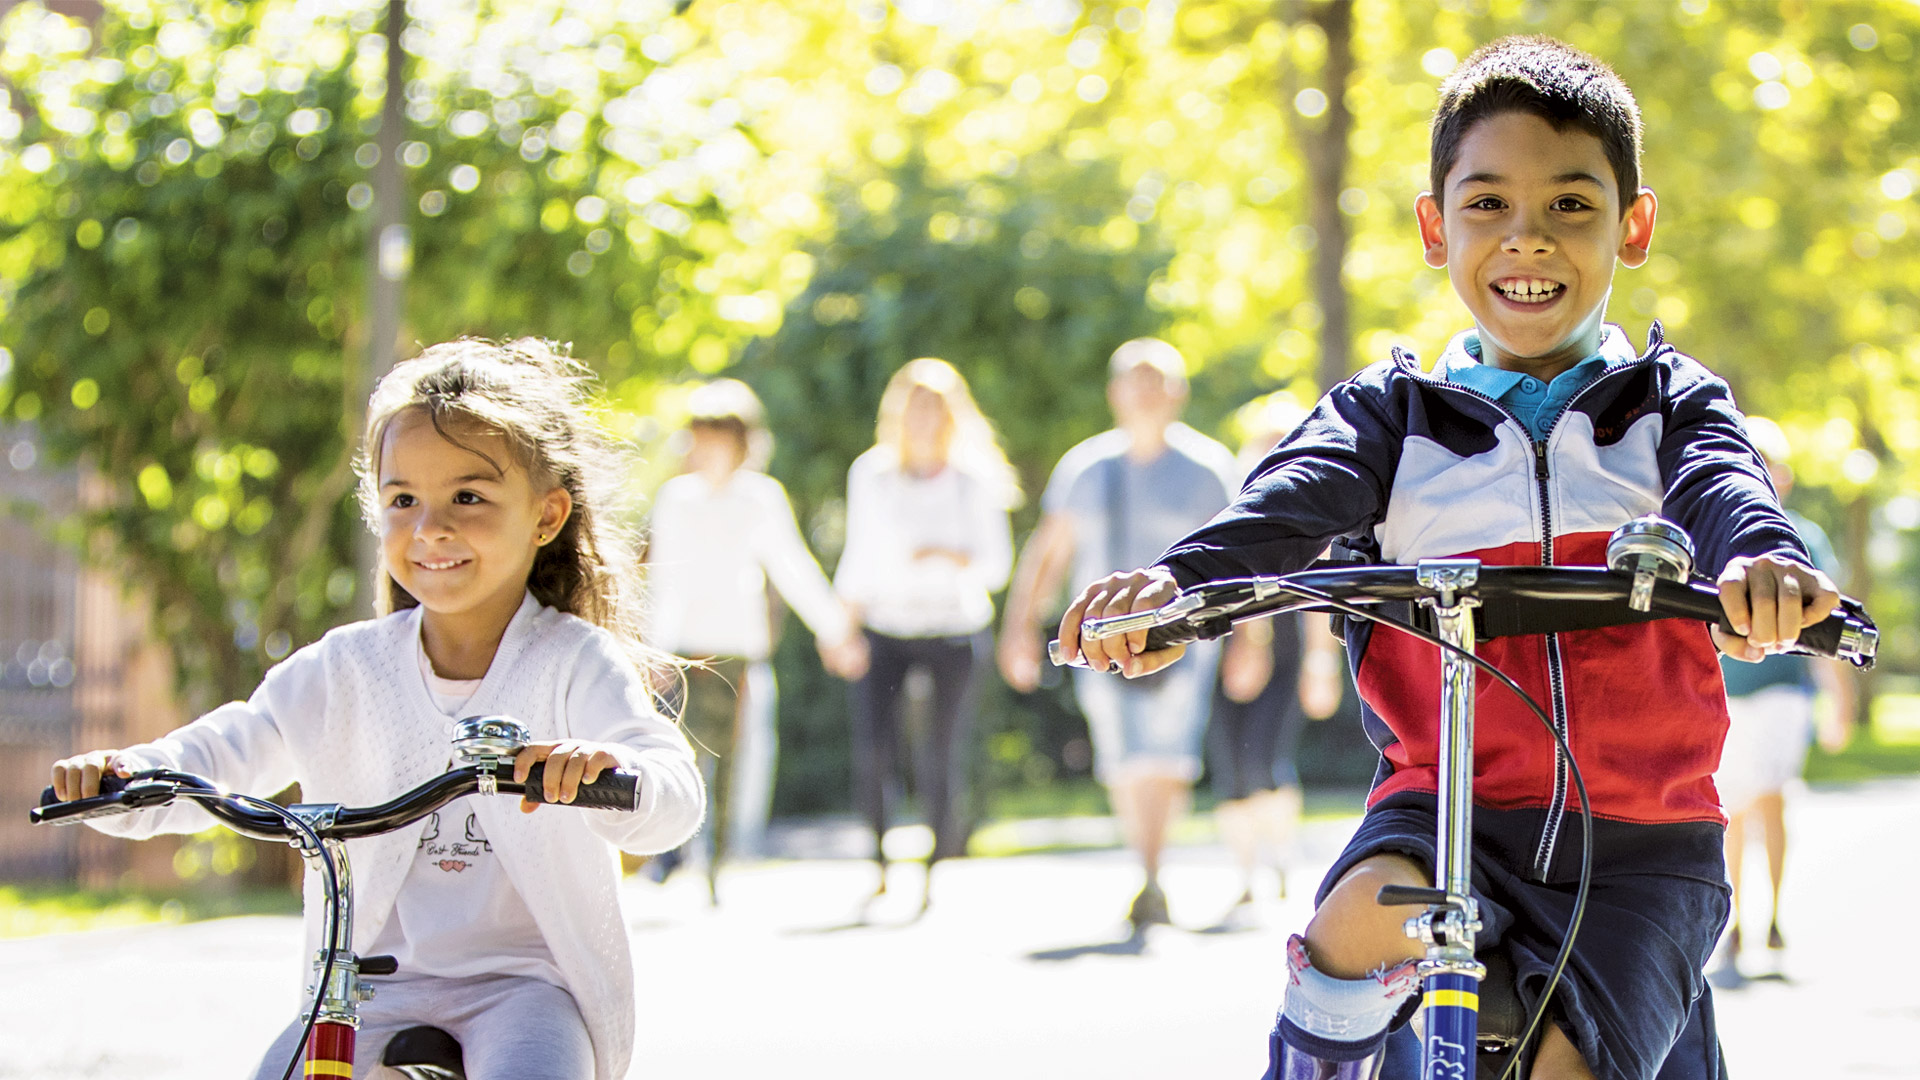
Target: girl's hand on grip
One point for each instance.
(79, 777)
(569, 763)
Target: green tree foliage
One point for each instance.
(182, 264)
(809, 192)
(179, 270)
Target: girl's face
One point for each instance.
(457, 531)
(927, 424)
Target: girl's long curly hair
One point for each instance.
(540, 400)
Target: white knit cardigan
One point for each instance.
(349, 719)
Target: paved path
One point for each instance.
(1019, 970)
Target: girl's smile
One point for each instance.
(443, 564)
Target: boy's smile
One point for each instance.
(1528, 229)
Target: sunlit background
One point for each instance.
(218, 221)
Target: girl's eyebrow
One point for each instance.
(491, 478)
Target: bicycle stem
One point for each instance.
(1450, 974)
(1453, 618)
(330, 1045)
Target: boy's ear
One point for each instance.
(556, 506)
(1433, 231)
(1636, 234)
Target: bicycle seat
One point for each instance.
(424, 1053)
(1502, 1017)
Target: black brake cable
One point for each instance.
(1560, 744)
(331, 883)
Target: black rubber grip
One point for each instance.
(1823, 637)
(615, 789)
(1180, 633)
(55, 812)
(111, 800)
(1161, 637)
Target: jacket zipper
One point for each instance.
(1556, 671)
(1556, 675)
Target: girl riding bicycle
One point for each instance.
(505, 588)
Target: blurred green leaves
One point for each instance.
(810, 192)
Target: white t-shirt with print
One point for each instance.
(458, 913)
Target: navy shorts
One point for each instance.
(1633, 998)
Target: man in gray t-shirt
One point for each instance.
(1119, 500)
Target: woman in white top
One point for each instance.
(928, 543)
(720, 532)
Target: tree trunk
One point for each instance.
(389, 258)
(1324, 146)
(1855, 541)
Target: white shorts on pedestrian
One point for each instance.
(1150, 727)
(1766, 744)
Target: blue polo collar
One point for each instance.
(1534, 403)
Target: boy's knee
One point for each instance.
(1351, 934)
(1558, 1058)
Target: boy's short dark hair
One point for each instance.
(1549, 79)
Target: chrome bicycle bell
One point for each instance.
(488, 742)
(1649, 548)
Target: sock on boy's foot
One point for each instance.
(1334, 1029)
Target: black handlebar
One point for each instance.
(614, 789)
(1513, 600)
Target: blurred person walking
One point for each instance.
(1119, 500)
(720, 532)
(1274, 675)
(928, 543)
(1773, 717)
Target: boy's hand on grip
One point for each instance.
(570, 763)
(78, 777)
(1768, 599)
(1120, 594)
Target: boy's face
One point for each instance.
(1528, 229)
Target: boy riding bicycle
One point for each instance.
(1537, 433)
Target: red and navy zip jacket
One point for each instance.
(1406, 466)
